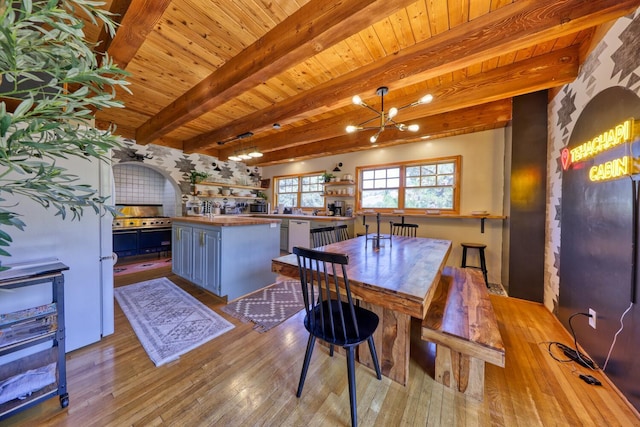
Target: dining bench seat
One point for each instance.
(461, 322)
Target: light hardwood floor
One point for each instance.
(244, 378)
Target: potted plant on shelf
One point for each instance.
(261, 197)
(327, 176)
(51, 82)
(197, 176)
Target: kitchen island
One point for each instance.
(228, 255)
(294, 230)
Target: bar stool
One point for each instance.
(483, 263)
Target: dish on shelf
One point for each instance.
(432, 212)
(479, 212)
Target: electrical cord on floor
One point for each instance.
(589, 379)
(574, 353)
(615, 337)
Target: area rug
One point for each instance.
(268, 307)
(497, 289)
(121, 270)
(168, 321)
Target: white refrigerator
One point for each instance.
(85, 246)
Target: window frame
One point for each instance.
(276, 181)
(457, 160)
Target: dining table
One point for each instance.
(396, 279)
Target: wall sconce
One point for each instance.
(337, 168)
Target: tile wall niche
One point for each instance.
(139, 185)
(175, 167)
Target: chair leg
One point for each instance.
(374, 357)
(331, 350)
(483, 267)
(351, 372)
(305, 366)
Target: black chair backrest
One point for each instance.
(322, 276)
(403, 229)
(342, 232)
(322, 236)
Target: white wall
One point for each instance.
(482, 187)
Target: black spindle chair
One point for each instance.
(342, 232)
(403, 229)
(331, 314)
(322, 236)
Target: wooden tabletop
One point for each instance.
(399, 276)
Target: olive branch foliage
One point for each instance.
(51, 83)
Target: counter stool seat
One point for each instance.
(483, 263)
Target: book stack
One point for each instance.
(24, 325)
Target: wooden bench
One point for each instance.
(461, 322)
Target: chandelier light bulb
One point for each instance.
(426, 99)
(235, 158)
(356, 100)
(351, 129)
(393, 112)
(255, 153)
(373, 138)
(244, 156)
(413, 128)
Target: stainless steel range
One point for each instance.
(151, 222)
(141, 230)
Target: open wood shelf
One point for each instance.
(227, 185)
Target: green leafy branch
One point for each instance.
(51, 72)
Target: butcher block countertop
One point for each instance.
(307, 217)
(225, 220)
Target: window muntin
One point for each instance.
(287, 191)
(380, 188)
(312, 193)
(304, 191)
(427, 184)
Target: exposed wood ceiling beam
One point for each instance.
(137, 23)
(312, 28)
(509, 28)
(119, 10)
(120, 130)
(496, 113)
(531, 75)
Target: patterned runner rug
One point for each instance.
(167, 320)
(268, 307)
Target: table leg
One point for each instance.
(392, 340)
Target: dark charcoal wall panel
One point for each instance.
(596, 247)
(528, 195)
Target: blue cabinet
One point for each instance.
(206, 258)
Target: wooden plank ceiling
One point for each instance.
(204, 71)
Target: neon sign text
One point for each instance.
(610, 170)
(607, 140)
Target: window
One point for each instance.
(426, 184)
(305, 191)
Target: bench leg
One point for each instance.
(460, 372)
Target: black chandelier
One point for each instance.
(386, 119)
